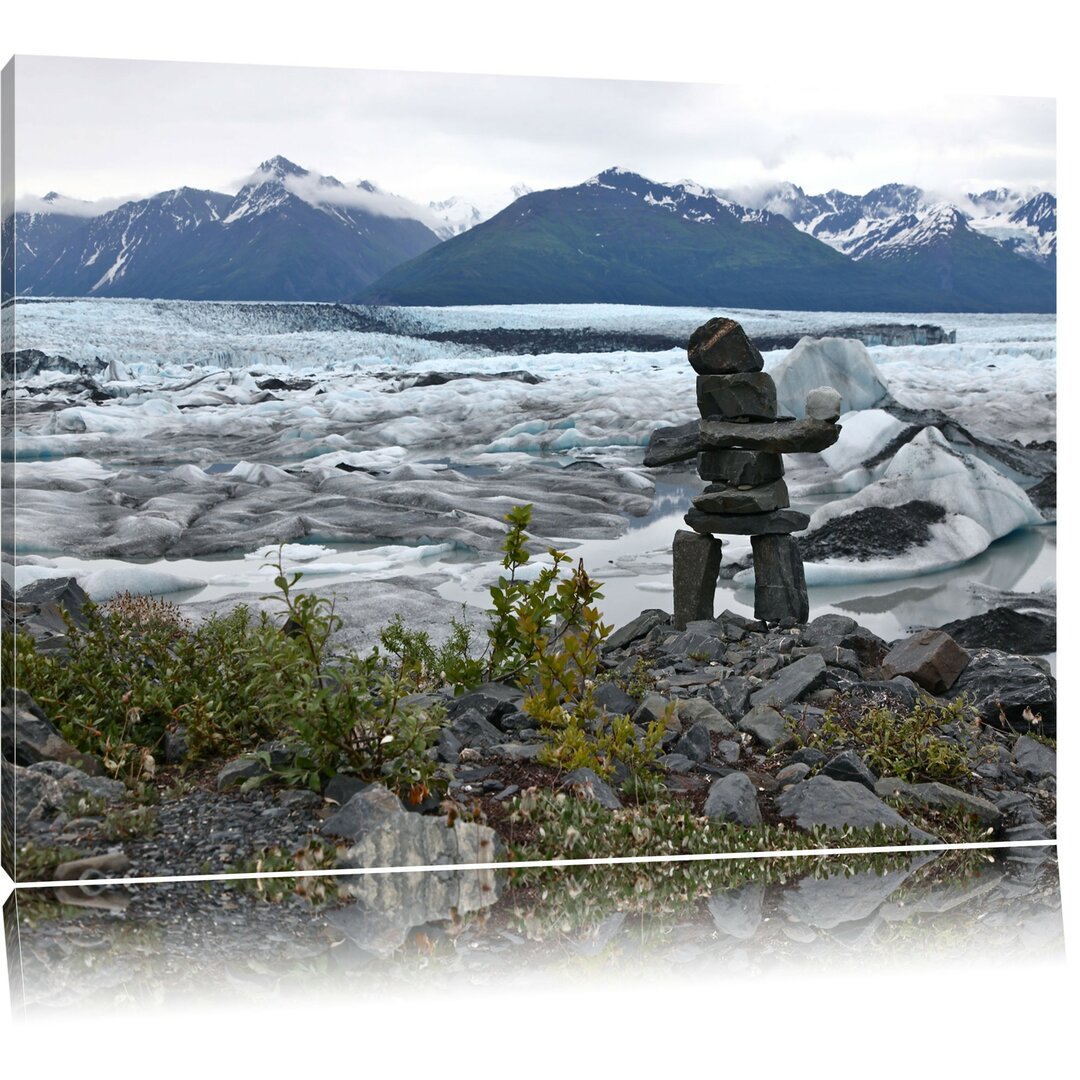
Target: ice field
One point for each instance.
(182, 442)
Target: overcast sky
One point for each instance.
(99, 129)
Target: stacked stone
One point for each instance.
(741, 442)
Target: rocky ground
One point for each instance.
(763, 725)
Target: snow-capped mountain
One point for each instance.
(901, 234)
(288, 234)
(292, 233)
(458, 214)
(620, 237)
(1026, 226)
(133, 238)
(1024, 222)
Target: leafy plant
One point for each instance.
(423, 667)
(911, 747)
(552, 629)
(138, 669)
(344, 713)
(637, 683)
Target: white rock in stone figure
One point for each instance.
(823, 403)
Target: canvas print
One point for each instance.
(404, 469)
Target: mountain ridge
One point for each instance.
(620, 237)
(290, 233)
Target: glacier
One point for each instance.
(204, 435)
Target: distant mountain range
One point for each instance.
(293, 234)
(888, 218)
(287, 234)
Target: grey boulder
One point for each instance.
(733, 798)
(836, 804)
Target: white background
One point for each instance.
(994, 1022)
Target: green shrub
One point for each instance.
(140, 669)
(637, 683)
(548, 632)
(423, 667)
(909, 746)
(345, 713)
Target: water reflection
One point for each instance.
(164, 943)
(636, 571)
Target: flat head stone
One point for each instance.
(750, 394)
(342, 787)
(695, 646)
(695, 569)
(732, 696)
(930, 658)
(733, 621)
(721, 347)
(27, 736)
(808, 755)
(676, 763)
(793, 773)
(492, 701)
(614, 700)
(777, 436)
(740, 467)
(728, 751)
(695, 743)
(698, 712)
(62, 592)
(475, 731)
(940, 796)
(996, 682)
(721, 499)
(840, 631)
(823, 403)
(655, 707)
(365, 811)
(733, 798)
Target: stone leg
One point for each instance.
(780, 584)
(696, 569)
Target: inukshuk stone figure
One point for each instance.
(741, 442)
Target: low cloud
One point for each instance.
(65, 204)
(323, 191)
